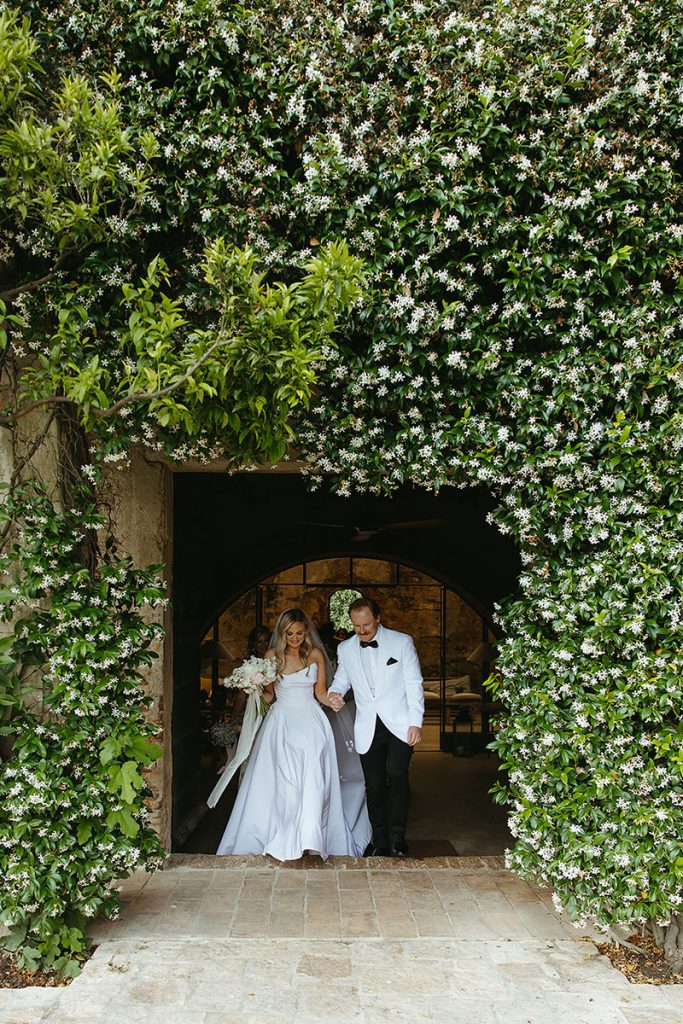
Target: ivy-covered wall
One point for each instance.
(510, 175)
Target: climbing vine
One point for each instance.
(74, 819)
(509, 174)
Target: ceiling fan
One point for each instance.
(368, 530)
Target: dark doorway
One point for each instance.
(232, 533)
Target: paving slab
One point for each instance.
(228, 940)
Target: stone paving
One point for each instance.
(449, 940)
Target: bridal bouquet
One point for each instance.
(224, 734)
(251, 676)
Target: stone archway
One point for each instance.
(232, 531)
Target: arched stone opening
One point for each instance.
(234, 536)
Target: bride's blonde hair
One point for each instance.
(287, 619)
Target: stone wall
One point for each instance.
(140, 503)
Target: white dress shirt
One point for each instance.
(368, 657)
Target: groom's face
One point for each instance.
(365, 624)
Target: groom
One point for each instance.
(382, 667)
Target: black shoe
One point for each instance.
(379, 846)
(399, 846)
(377, 851)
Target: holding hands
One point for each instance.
(335, 700)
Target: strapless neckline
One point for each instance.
(305, 668)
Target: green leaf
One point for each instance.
(84, 832)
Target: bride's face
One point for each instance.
(295, 635)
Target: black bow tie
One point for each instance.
(369, 643)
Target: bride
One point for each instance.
(303, 788)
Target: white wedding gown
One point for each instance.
(292, 797)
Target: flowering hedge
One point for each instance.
(72, 693)
(510, 173)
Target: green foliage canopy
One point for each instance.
(510, 173)
(74, 181)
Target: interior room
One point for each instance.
(453, 769)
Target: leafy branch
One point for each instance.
(247, 375)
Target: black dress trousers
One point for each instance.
(387, 756)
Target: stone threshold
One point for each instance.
(232, 863)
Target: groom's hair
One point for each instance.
(364, 602)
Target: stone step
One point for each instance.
(461, 864)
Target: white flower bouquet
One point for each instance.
(224, 734)
(251, 676)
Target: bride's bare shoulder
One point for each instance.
(316, 656)
(270, 653)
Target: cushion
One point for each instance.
(454, 685)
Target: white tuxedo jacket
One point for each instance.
(399, 697)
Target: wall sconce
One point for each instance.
(484, 653)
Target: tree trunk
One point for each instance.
(670, 938)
